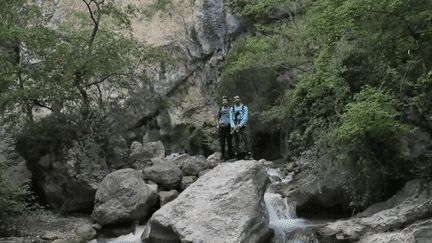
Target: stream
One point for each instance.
(282, 213)
(282, 217)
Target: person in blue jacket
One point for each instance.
(224, 128)
(239, 127)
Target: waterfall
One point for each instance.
(282, 215)
(130, 238)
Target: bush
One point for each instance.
(372, 115)
(354, 166)
(50, 134)
(16, 206)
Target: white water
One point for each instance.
(282, 216)
(130, 238)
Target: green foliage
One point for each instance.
(254, 62)
(15, 204)
(371, 115)
(262, 9)
(370, 80)
(50, 134)
(91, 59)
(80, 73)
(317, 99)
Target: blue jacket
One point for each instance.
(241, 118)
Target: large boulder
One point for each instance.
(166, 174)
(407, 191)
(384, 226)
(314, 195)
(194, 165)
(69, 179)
(224, 205)
(122, 197)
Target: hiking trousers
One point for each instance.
(242, 137)
(225, 138)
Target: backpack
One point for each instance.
(220, 108)
(237, 113)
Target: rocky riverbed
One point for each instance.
(48, 227)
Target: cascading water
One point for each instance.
(130, 238)
(282, 217)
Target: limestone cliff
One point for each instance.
(197, 33)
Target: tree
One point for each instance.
(91, 60)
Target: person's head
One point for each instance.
(225, 101)
(237, 100)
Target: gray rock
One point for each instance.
(305, 192)
(377, 227)
(122, 196)
(119, 155)
(156, 148)
(407, 191)
(153, 186)
(166, 174)
(214, 159)
(97, 227)
(172, 156)
(203, 172)
(178, 159)
(225, 205)
(187, 181)
(266, 163)
(139, 156)
(414, 144)
(70, 180)
(393, 237)
(84, 233)
(157, 161)
(61, 241)
(422, 232)
(22, 240)
(166, 197)
(194, 165)
(18, 172)
(49, 236)
(136, 149)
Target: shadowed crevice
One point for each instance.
(162, 234)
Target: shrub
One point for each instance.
(372, 115)
(16, 207)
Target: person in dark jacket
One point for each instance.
(224, 128)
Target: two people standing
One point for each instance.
(232, 122)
